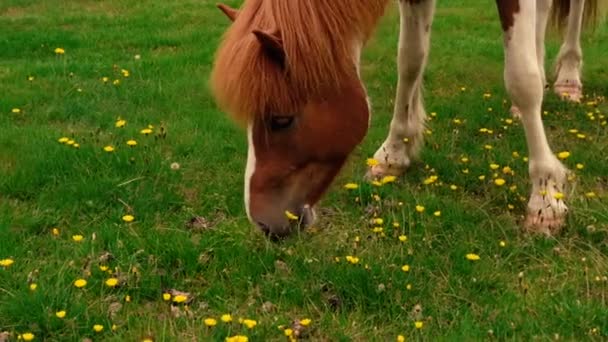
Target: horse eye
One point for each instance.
(278, 123)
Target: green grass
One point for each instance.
(531, 288)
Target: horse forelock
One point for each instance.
(317, 37)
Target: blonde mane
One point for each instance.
(318, 38)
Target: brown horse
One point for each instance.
(289, 71)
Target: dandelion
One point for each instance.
(502, 243)
(116, 82)
(437, 213)
(430, 180)
(60, 314)
(250, 323)
(16, 110)
(210, 322)
(125, 72)
(179, 298)
(457, 121)
(6, 262)
(80, 283)
(77, 237)
(291, 216)
(166, 296)
(146, 131)
(408, 287)
(98, 328)
(237, 338)
(63, 140)
(127, 298)
(378, 221)
(109, 148)
(590, 194)
(59, 51)
(103, 268)
(403, 238)
(305, 322)
(28, 336)
(563, 155)
(351, 186)
(30, 78)
(420, 208)
(453, 187)
(507, 170)
(494, 166)
(120, 123)
(488, 147)
(405, 268)
(371, 162)
(226, 318)
(388, 179)
(351, 259)
(580, 166)
(33, 286)
(111, 282)
(418, 324)
(400, 338)
(377, 229)
(499, 181)
(128, 218)
(105, 79)
(473, 257)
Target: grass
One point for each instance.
(191, 166)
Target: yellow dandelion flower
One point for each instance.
(210, 322)
(502, 244)
(127, 298)
(76, 145)
(103, 268)
(80, 283)
(464, 159)
(371, 162)
(430, 180)
(98, 328)
(403, 238)
(180, 298)
(250, 323)
(6, 262)
(580, 166)
(16, 110)
(146, 131)
(109, 148)
(437, 213)
(351, 186)
(128, 218)
(166, 296)
(226, 318)
(105, 79)
(114, 327)
(473, 257)
(377, 229)
(59, 51)
(291, 216)
(33, 286)
(488, 147)
(116, 82)
(305, 322)
(376, 183)
(453, 187)
(63, 140)
(457, 121)
(509, 121)
(494, 166)
(408, 287)
(120, 123)
(563, 155)
(28, 336)
(55, 231)
(351, 259)
(405, 268)
(418, 324)
(400, 338)
(60, 314)
(237, 338)
(396, 224)
(590, 194)
(378, 221)
(499, 181)
(111, 282)
(420, 208)
(288, 332)
(507, 170)
(77, 237)
(125, 72)
(388, 179)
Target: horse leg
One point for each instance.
(570, 58)
(546, 208)
(543, 11)
(405, 136)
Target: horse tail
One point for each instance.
(595, 12)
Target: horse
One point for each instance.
(289, 71)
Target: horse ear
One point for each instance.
(230, 12)
(272, 44)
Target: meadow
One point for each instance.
(121, 210)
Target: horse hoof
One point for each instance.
(536, 223)
(569, 92)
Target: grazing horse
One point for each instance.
(289, 72)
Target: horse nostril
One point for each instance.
(263, 227)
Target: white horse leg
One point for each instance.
(546, 208)
(570, 57)
(543, 11)
(406, 132)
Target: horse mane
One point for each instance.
(318, 37)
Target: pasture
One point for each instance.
(121, 210)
